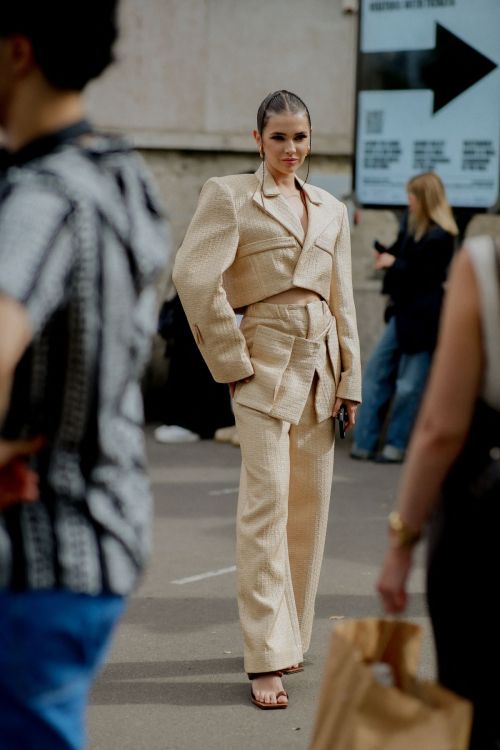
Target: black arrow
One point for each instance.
(448, 70)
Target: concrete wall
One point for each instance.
(189, 77)
(191, 73)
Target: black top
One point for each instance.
(415, 285)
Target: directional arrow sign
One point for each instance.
(428, 98)
(449, 69)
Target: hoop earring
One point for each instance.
(261, 152)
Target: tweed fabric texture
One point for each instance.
(245, 244)
(283, 502)
(285, 361)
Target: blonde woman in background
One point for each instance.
(415, 270)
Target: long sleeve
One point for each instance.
(424, 266)
(342, 306)
(209, 248)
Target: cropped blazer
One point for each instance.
(245, 244)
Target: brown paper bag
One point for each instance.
(357, 712)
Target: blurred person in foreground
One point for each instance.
(81, 241)
(415, 270)
(453, 470)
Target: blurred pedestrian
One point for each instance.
(277, 249)
(415, 271)
(194, 406)
(453, 471)
(81, 241)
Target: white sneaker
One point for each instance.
(227, 435)
(173, 433)
(224, 434)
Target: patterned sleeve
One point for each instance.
(36, 251)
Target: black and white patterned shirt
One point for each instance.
(81, 242)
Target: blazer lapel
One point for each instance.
(318, 218)
(269, 199)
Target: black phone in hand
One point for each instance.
(342, 419)
(379, 247)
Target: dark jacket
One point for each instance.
(415, 286)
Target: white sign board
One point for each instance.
(428, 99)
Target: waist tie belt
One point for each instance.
(284, 368)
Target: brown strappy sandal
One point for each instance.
(261, 704)
(294, 670)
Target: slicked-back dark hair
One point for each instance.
(278, 102)
(72, 42)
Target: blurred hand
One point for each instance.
(384, 260)
(18, 483)
(393, 578)
(232, 386)
(351, 407)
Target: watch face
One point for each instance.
(395, 522)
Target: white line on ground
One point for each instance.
(201, 576)
(227, 491)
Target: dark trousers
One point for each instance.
(462, 588)
(192, 398)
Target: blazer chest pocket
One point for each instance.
(326, 243)
(271, 352)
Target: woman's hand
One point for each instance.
(393, 578)
(384, 260)
(232, 386)
(351, 407)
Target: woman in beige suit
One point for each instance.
(278, 250)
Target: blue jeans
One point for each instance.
(51, 644)
(390, 375)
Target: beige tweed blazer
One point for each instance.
(245, 244)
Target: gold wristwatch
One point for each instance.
(404, 536)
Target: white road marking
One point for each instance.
(194, 475)
(202, 576)
(227, 491)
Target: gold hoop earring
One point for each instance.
(261, 152)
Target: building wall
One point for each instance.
(188, 80)
(191, 73)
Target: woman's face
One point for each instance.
(285, 142)
(413, 203)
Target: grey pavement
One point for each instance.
(174, 679)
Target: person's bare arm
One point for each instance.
(442, 426)
(15, 336)
(17, 481)
(449, 400)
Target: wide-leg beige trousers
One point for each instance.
(286, 477)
